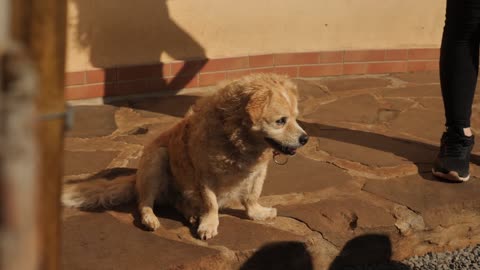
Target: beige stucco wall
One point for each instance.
(106, 33)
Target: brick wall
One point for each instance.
(197, 73)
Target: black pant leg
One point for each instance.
(459, 60)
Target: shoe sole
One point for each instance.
(451, 176)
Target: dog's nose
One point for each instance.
(303, 139)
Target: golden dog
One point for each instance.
(218, 153)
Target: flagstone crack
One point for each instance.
(313, 230)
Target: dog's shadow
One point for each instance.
(165, 213)
(169, 217)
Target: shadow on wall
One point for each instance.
(370, 251)
(129, 33)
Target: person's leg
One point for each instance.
(458, 77)
(459, 60)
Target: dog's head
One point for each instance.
(273, 112)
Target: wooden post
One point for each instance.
(40, 26)
(18, 166)
(19, 234)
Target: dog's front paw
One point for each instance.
(150, 221)
(207, 229)
(262, 213)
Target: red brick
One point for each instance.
(295, 59)
(330, 57)
(388, 67)
(261, 60)
(143, 72)
(396, 55)
(95, 76)
(234, 74)
(129, 88)
(180, 82)
(157, 85)
(289, 71)
(423, 54)
(225, 64)
(101, 75)
(187, 68)
(355, 68)
(264, 70)
(206, 79)
(320, 70)
(423, 66)
(167, 69)
(364, 56)
(74, 78)
(84, 91)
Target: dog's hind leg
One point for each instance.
(250, 200)
(152, 184)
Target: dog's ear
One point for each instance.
(257, 103)
(294, 90)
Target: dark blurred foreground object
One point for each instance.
(18, 166)
(32, 113)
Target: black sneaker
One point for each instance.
(453, 161)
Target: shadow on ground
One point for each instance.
(370, 251)
(290, 255)
(168, 105)
(419, 153)
(161, 211)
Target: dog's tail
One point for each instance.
(99, 192)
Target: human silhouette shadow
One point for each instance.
(419, 153)
(369, 251)
(290, 255)
(122, 33)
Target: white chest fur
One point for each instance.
(239, 186)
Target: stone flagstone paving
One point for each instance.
(364, 175)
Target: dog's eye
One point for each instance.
(281, 121)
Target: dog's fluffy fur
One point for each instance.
(219, 152)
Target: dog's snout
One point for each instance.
(303, 139)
